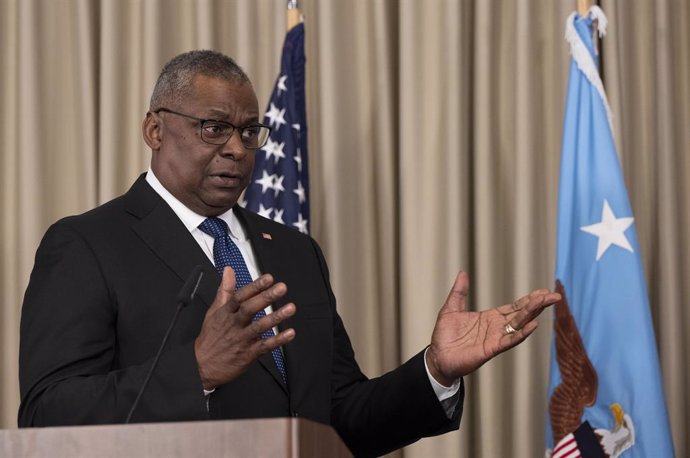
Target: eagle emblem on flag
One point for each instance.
(577, 390)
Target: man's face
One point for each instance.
(206, 178)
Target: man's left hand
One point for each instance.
(462, 340)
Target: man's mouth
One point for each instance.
(229, 180)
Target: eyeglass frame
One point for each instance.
(234, 128)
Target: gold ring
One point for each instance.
(509, 329)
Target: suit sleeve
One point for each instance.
(68, 366)
(379, 415)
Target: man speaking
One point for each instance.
(262, 337)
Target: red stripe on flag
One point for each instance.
(566, 448)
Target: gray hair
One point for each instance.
(175, 81)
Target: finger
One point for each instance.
(279, 340)
(524, 300)
(514, 338)
(457, 298)
(257, 327)
(250, 290)
(250, 306)
(537, 302)
(528, 301)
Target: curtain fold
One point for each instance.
(434, 142)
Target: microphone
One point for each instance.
(184, 297)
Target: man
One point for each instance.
(103, 290)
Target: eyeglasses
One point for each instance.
(215, 132)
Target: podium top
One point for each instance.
(278, 437)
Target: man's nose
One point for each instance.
(234, 148)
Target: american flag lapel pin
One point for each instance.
(266, 236)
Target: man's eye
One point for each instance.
(215, 130)
(250, 131)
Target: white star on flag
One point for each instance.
(275, 116)
(300, 192)
(278, 217)
(610, 230)
(278, 184)
(266, 181)
(274, 149)
(301, 224)
(298, 159)
(265, 212)
(281, 84)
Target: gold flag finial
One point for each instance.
(293, 14)
(583, 6)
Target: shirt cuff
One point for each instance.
(207, 396)
(446, 394)
(442, 392)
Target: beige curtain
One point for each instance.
(434, 145)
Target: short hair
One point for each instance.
(175, 80)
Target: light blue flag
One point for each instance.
(605, 299)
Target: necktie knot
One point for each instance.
(215, 227)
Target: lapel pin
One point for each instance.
(266, 236)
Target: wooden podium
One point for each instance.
(278, 437)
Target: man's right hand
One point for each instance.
(230, 340)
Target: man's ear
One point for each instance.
(151, 130)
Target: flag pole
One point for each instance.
(582, 6)
(293, 14)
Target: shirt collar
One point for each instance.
(189, 218)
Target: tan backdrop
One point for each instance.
(434, 141)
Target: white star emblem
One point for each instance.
(300, 192)
(266, 181)
(272, 148)
(278, 184)
(265, 212)
(296, 126)
(278, 217)
(281, 84)
(298, 159)
(269, 147)
(276, 116)
(610, 231)
(278, 151)
(301, 224)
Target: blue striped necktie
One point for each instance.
(226, 253)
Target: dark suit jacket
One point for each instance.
(102, 294)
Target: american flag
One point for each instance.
(582, 442)
(279, 189)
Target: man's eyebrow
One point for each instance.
(219, 115)
(252, 120)
(216, 115)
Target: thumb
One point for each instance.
(226, 290)
(457, 298)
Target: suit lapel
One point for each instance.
(168, 238)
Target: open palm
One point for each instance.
(464, 340)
